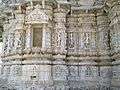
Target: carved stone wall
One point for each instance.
(114, 15)
(78, 47)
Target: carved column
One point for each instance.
(43, 37)
(114, 15)
(5, 43)
(59, 37)
(28, 37)
(104, 72)
(59, 30)
(103, 32)
(47, 28)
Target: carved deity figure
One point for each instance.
(5, 44)
(11, 41)
(18, 40)
(71, 40)
(59, 39)
(86, 40)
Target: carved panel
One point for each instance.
(86, 30)
(37, 16)
(18, 40)
(71, 41)
(59, 72)
(16, 70)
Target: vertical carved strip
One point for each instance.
(28, 37)
(60, 30)
(102, 23)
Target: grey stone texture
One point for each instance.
(61, 45)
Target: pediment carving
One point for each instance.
(37, 16)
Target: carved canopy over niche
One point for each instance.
(37, 16)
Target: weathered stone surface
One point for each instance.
(62, 45)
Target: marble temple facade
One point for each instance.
(61, 45)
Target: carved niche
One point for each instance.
(37, 37)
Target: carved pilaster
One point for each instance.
(114, 15)
(28, 37)
(103, 33)
(60, 30)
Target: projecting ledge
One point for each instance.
(96, 58)
(87, 7)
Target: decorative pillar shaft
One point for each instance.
(60, 29)
(28, 37)
(103, 33)
(114, 15)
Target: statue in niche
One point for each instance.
(63, 40)
(59, 39)
(93, 40)
(86, 40)
(105, 40)
(23, 8)
(6, 44)
(71, 40)
(18, 40)
(11, 41)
